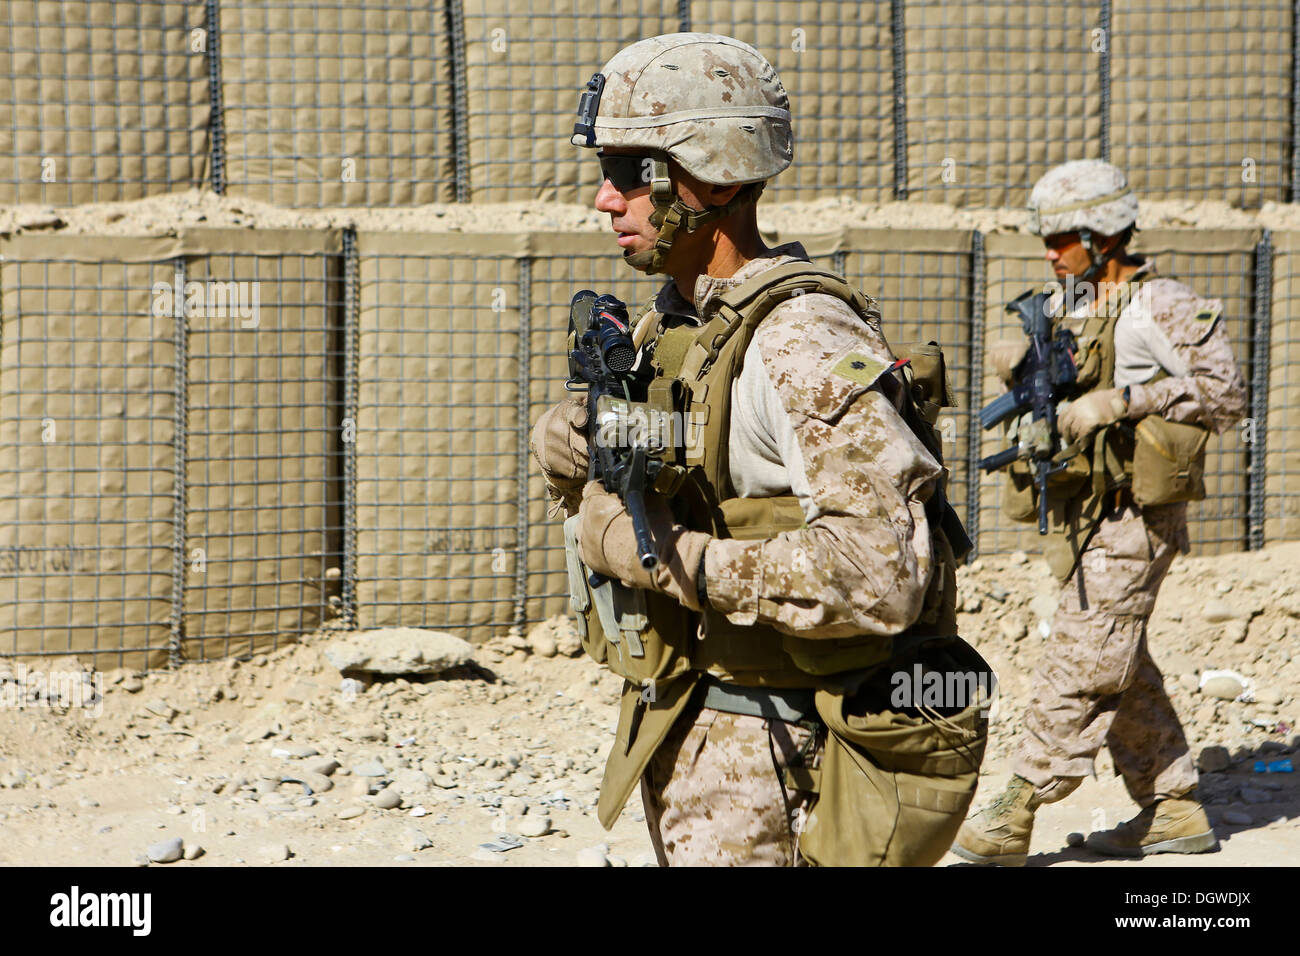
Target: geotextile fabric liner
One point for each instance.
(1282, 464)
(263, 462)
(1215, 263)
(527, 63)
(437, 431)
(336, 103)
(87, 405)
(997, 93)
(834, 59)
(101, 101)
(1202, 99)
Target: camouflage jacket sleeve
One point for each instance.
(862, 562)
(1208, 390)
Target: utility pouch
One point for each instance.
(1168, 462)
(902, 758)
(928, 378)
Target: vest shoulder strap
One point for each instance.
(745, 306)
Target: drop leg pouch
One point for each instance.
(895, 782)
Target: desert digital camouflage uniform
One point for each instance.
(827, 535)
(861, 565)
(1097, 684)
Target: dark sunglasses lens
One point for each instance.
(626, 172)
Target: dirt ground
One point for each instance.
(222, 754)
(162, 214)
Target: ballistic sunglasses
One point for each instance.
(627, 173)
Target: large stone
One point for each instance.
(399, 650)
(1224, 685)
(1213, 759)
(166, 851)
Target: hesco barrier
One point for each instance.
(398, 102)
(329, 424)
(102, 101)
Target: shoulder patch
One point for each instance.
(860, 368)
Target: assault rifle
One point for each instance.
(1045, 376)
(601, 362)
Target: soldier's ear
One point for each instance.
(721, 195)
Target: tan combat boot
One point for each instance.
(1000, 832)
(1167, 826)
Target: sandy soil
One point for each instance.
(157, 215)
(210, 753)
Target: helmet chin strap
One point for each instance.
(1098, 260)
(671, 214)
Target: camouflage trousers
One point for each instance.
(713, 797)
(1096, 683)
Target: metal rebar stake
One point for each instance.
(521, 440)
(351, 373)
(978, 277)
(899, 55)
(216, 105)
(459, 98)
(1257, 449)
(180, 457)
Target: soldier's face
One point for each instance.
(629, 210)
(1066, 255)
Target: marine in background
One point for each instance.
(1156, 375)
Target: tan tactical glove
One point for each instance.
(1003, 355)
(607, 545)
(559, 443)
(1089, 412)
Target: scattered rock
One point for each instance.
(1018, 557)
(544, 645)
(370, 768)
(410, 781)
(166, 851)
(351, 813)
(1270, 696)
(388, 799)
(1252, 795)
(312, 782)
(398, 650)
(594, 856)
(1074, 839)
(1013, 628)
(487, 856)
(132, 685)
(1235, 631)
(513, 806)
(1213, 759)
(325, 766)
(534, 826)
(294, 752)
(1216, 612)
(1236, 818)
(193, 851)
(274, 853)
(416, 841)
(1225, 685)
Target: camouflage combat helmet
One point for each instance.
(1087, 196)
(711, 103)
